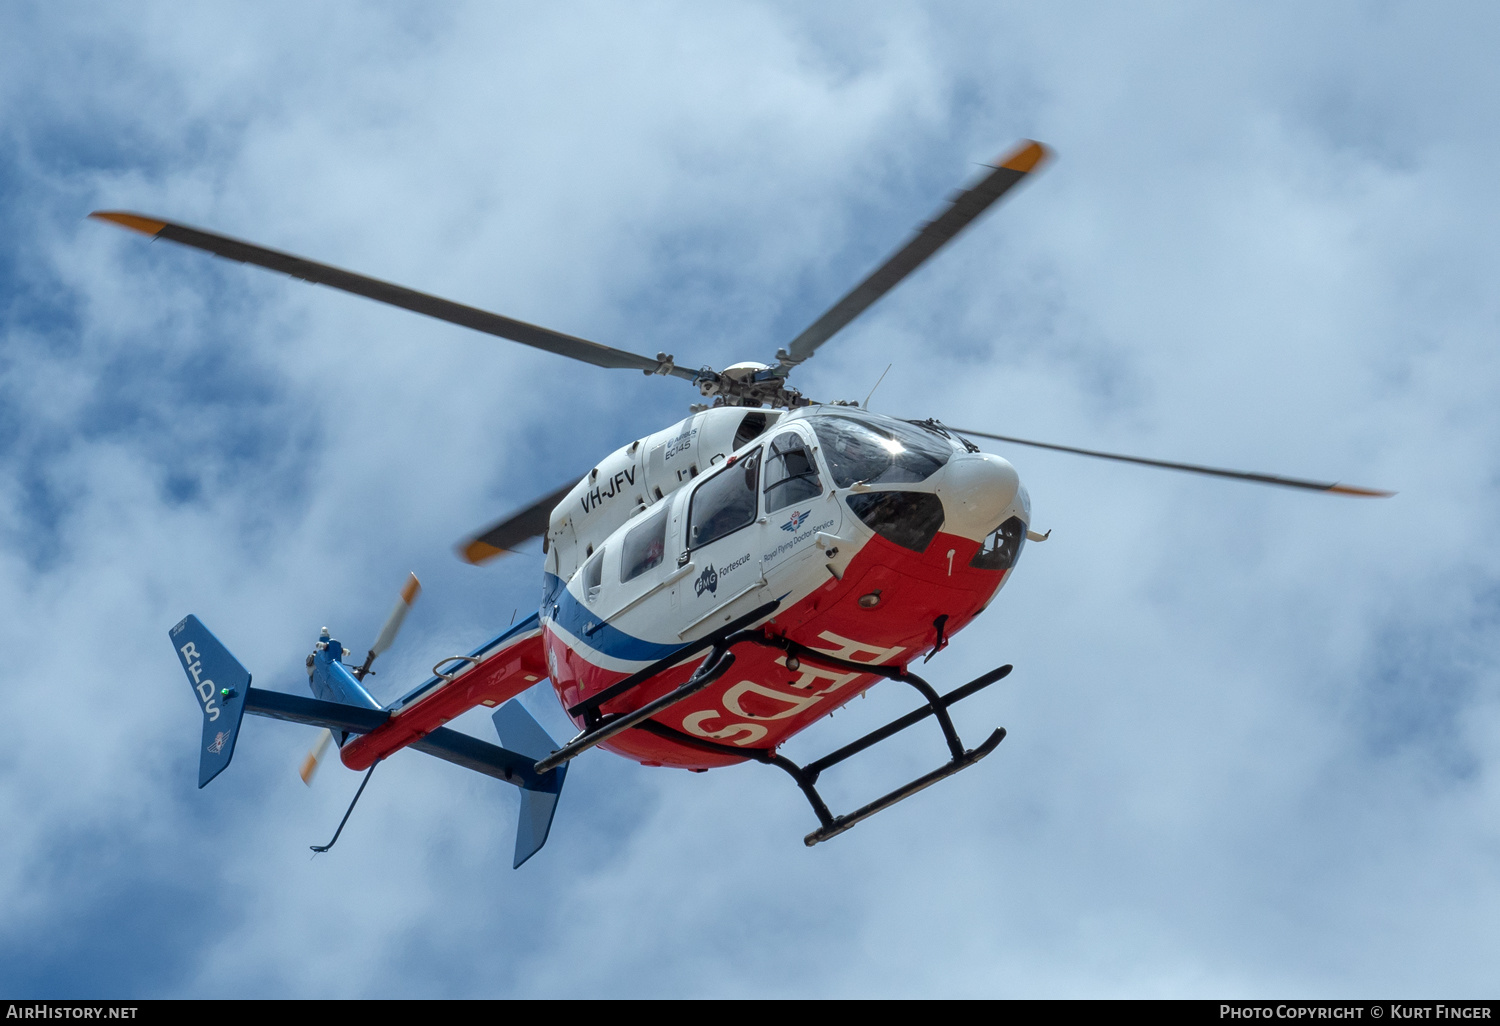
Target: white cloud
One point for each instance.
(1251, 731)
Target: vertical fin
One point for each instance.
(220, 684)
(524, 735)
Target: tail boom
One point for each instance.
(493, 675)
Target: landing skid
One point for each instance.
(806, 777)
(600, 728)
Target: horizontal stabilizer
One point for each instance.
(443, 743)
(481, 757)
(278, 705)
(221, 686)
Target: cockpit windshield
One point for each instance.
(878, 451)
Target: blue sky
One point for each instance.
(1252, 733)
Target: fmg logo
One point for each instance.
(707, 581)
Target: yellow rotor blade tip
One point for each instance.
(135, 222)
(410, 588)
(477, 552)
(1025, 158)
(1369, 493)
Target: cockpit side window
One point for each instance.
(910, 519)
(725, 502)
(878, 452)
(791, 473)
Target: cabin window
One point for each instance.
(791, 474)
(878, 452)
(725, 502)
(1001, 549)
(644, 546)
(593, 575)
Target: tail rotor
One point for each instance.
(383, 641)
(315, 756)
(409, 592)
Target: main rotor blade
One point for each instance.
(395, 295)
(503, 536)
(1191, 468)
(931, 237)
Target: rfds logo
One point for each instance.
(796, 519)
(707, 581)
(217, 744)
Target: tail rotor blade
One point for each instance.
(387, 635)
(315, 756)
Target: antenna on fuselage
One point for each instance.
(866, 404)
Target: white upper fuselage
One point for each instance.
(635, 477)
(622, 618)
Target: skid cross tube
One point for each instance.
(900, 673)
(897, 725)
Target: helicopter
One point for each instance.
(710, 590)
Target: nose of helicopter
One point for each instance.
(976, 489)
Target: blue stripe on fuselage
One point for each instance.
(573, 616)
